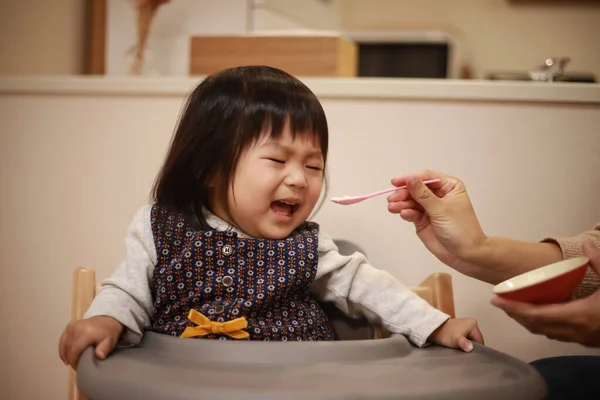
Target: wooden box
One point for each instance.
(302, 56)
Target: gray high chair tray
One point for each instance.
(166, 367)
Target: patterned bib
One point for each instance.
(225, 277)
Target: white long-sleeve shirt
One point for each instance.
(349, 281)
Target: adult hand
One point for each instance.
(575, 321)
(442, 214)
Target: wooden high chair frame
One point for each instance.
(436, 290)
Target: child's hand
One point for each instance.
(101, 332)
(455, 333)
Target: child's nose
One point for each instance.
(296, 178)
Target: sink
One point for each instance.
(524, 76)
(552, 70)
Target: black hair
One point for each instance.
(223, 116)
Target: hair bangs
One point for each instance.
(271, 108)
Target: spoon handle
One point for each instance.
(384, 191)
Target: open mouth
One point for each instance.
(284, 207)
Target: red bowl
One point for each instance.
(553, 283)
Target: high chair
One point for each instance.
(436, 289)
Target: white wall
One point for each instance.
(72, 178)
(169, 39)
(293, 14)
(493, 35)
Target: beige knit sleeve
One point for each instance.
(571, 248)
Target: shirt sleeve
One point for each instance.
(571, 248)
(358, 288)
(126, 296)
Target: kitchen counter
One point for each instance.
(359, 88)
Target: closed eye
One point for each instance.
(315, 168)
(275, 160)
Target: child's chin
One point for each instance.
(277, 234)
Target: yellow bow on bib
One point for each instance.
(234, 328)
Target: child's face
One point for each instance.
(276, 185)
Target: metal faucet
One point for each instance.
(550, 70)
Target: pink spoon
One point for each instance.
(347, 200)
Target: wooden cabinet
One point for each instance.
(318, 56)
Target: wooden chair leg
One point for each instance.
(443, 295)
(426, 293)
(437, 291)
(380, 333)
(73, 392)
(84, 290)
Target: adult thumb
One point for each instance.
(593, 253)
(422, 195)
